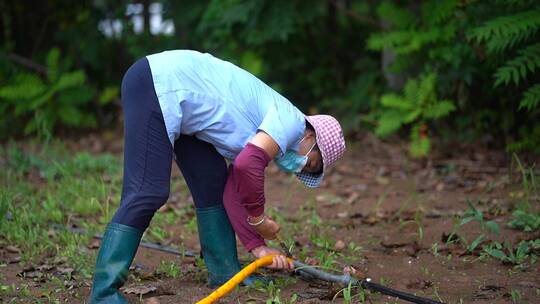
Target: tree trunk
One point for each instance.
(146, 17)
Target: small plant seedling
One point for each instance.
(515, 295)
(473, 214)
(435, 249)
(273, 292)
(158, 233)
(347, 294)
(529, 182)
(517, 256)
(170, 269)
(525, 219)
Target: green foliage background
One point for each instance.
(457, 70)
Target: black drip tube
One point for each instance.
(345, 279)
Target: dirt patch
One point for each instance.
(391, 217)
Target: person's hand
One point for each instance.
(278, 262)
(268, 229)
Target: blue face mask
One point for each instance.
(291, 162)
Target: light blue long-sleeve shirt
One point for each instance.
(221, 103)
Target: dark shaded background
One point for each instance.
(428, 71)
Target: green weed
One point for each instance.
(274, 295)
(524, 220)
(348, 294)
(515, 295)
(518, 256)
(170, 269)
(473, 215)
(529, 182)
(46, 185)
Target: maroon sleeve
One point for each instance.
(244, 193)
(248, 169)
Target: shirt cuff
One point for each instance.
(254, 244)
(255, 210)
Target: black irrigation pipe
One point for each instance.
(302, 269)
(146, 244)
(346, 280)
(396, 293)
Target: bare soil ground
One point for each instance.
(386, 215)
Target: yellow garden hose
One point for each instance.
(344, 280)
(237, 279)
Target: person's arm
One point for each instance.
(244, 193)
(267, 143)
(244, 198)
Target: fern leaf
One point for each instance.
(70, 80)
(410, 91)
(74, 96)
(27, 86)
(518, 68)
(396, 102)
(439, 109)
(41, 100)
(435, 12)
(413, 115)
(389, 122)
(397, 16)
(426, 89)
(504, 32)
(531, 98)
(404, 42)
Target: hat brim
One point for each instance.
(311, 180)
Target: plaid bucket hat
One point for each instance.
(331, 143)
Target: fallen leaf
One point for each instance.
(343, 214)
(44, 267)
(28, 268)
(59, 260)
(339, 245)
(489, 292)
(371, 220)
(352, 198)
(70, 284)
(140, 290)
(381, 180)
(33, 275)
(12, 249)
(14, 260)
(356, 215)
(65, 270)
(418, 284)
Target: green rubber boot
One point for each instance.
(116, 253)
(218, 245)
